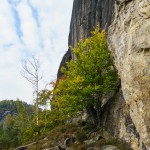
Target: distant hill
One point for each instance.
(10, 107)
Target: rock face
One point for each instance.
(127, 114)
(86, 14)
(129, 41)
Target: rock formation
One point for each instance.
(86, 14)
(129, 42)
(127, 114)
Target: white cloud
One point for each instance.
(7, 33)
(31, 27)
(28, 26)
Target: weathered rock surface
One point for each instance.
(109, 147)
(129, 41)
(127, 114)
(117, 121)
(86, 14)
(25, 147)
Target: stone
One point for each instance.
(22, 148)
(25, 147)
(61, 147)
(68, 141)
(99, 137)
(54, 148)
(93, 148)
(45, 139)
(44, 145)
(89, 142)
(109, 147)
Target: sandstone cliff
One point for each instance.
(127, 114)
(85, 15)
(129, 42)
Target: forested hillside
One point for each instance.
(7, 107)
(11, 122)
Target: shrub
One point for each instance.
(81, 136)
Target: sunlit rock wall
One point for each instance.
(127, 114)
(129, 41)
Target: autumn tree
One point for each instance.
(87, 78)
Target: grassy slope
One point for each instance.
(75, 137)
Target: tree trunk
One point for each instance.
(92, 114)
(98, 113)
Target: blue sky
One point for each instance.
(31, 27)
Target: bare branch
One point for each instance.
(30, 71)
(27, 71)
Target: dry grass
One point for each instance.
(81, 133)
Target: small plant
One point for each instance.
(81, 136)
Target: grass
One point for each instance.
(81, 132)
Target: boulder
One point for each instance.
(109, 147)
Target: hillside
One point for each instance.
(75, 136)
(10, 126)
(7, 107)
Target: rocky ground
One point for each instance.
(79, 136)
